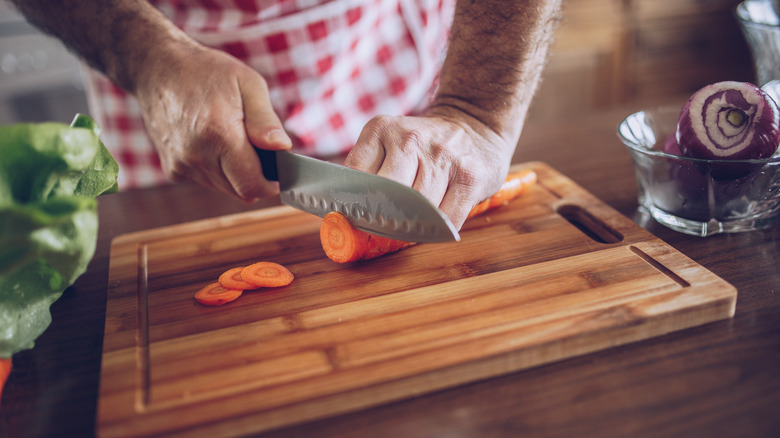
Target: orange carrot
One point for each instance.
(5, 370)
(514, 186)
(231, 279)
(344, 243)
(217, 295)
(267, 274)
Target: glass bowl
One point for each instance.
(697, 196)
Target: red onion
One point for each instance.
(671, 146)
(729, 120)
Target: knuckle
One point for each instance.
(376, 129)
(381, 123)
(412, 139)
(257, 79)
(441, 154)
(466, 178)
(245, 190)
(215, 135)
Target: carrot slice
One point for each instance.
(5, 370)
(216, 295)
(267, 274)
(231, 279)
(344, 243)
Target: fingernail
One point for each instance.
(279, 137)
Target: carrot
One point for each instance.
(231, 279)
(344, 243)
(216, 295)
(5, 370)
(267, 274)
(514, 186)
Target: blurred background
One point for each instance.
(639, 53)
(39, 79)
(608, 53)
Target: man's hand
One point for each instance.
(459, 152)
(203, 109)
(450, 158)
(204, 112)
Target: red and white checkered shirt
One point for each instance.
(330, 66)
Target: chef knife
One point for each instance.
(372, 203)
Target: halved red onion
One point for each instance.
(729, 120)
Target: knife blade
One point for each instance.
(372, 203)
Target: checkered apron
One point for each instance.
(330, 66)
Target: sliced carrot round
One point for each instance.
(267, 274)
(344, 243)
(231, 279)
(339, 242)
(216, 295)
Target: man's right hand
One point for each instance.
(205, 111)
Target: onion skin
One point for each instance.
(671, 146)
(729, 121)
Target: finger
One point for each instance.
(242, 172)
(431, 183)
(457, 202)
(401, 150)
(228, 162)
(219, 181)
(456, 208)
(221, 158)
(202, 174)
(368, 153)
(399, 168)
(210, 174)
(240, 164)
(263, 127)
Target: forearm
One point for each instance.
(496, 55)
(116, 37)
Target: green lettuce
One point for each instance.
(50, 174)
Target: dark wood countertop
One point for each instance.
(717, 380)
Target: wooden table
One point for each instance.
(718, 380)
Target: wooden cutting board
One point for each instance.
(552, 275)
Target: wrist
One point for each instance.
(497, 129)
(142, 45)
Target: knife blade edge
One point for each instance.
(390, 210)
(365, 219)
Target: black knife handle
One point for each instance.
(268, 164)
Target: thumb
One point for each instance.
(263, 127)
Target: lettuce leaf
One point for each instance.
(50, 174)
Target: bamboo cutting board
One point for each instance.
(552, 275)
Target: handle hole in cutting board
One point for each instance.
(590, 225)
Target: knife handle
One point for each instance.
(268, 164)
